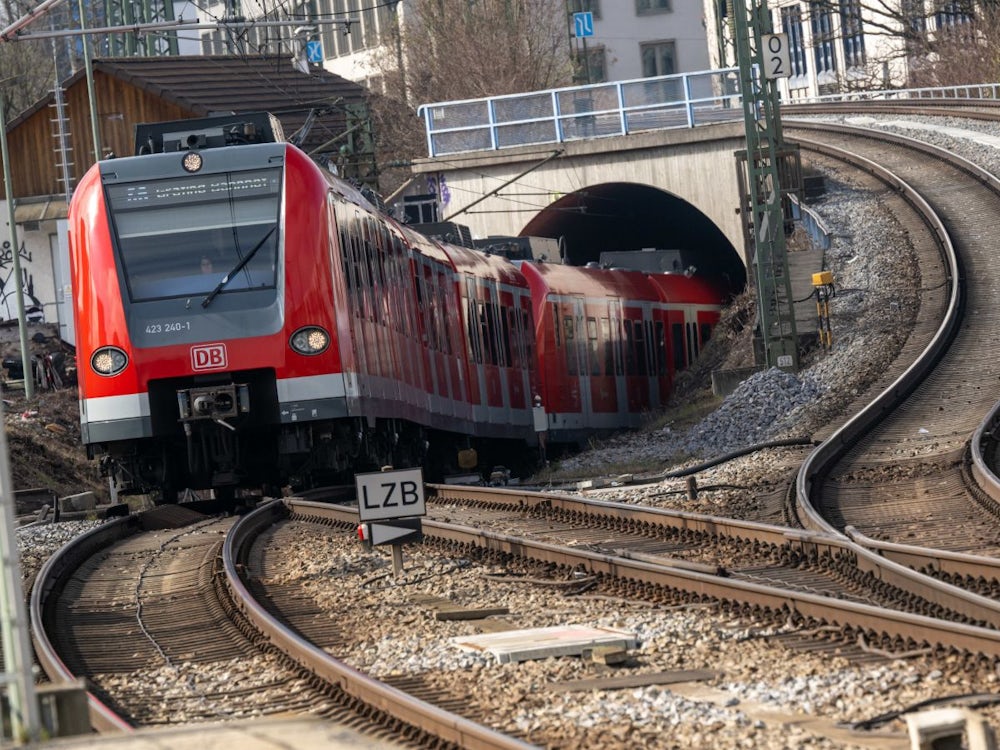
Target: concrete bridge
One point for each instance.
(665, 189)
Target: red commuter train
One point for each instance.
(247, 320)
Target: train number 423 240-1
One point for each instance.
(171, 327)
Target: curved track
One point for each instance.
(902, 477)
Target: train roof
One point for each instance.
(559, 279)
(677, 287)
(486, 265)
(464, 259)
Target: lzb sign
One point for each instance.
(391, 494)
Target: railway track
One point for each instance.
(155, 585)
(898, 471)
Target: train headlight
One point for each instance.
(108, 360)
(310, 340)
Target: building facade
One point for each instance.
(624, 40)
(844, 46)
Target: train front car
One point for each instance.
(199, 285)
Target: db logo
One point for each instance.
(208, 357)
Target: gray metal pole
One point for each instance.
(24, 713)
(22, 327)
(85, 40)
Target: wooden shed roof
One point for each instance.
(222, 84)
(203, 85)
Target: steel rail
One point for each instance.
(911, 627)
(820, 460)
(48, 583)
(881, 561)
(413, 711)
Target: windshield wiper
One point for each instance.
(239, 267)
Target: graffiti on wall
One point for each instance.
(33, 309)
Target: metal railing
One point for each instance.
(579, 112)
(619, 108)
(967, 91)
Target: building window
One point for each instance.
(852, 33)
(658, 59)
(592, 66)
(651, 6)
(823, 46)
(585, 6)
(791, 24)
(953, 13)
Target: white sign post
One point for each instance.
(777, 63)
(390, 504)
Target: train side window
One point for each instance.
(555, 323)
(570, 347)
(692, 342)
(475, 347)
(706, 333)
(616, 335)
(445, 332)
(488, 352)
(516, 337)
(661, 349)
(493, 333)
(609, 352)
(629, 348)
(640, 349)
(677, 340)
(650, 348)
(593, 344)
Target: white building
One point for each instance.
(627, 38)
(839, 47)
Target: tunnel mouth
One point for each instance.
(621, 217)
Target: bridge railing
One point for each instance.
(578, 112)
(965, 91)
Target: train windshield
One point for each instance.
(181, 236)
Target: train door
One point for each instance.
(615, 355)
(450, 329)
(431, 350)
(600, 359)
(664, 379)
(637, 379)
(474, 339)
(563, 368)
(518, 385)
(496, 354)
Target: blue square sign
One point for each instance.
(583, 24)
(314, 52)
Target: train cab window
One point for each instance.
(555, 323)
(593, 347)
(165, 228)
(692, 342)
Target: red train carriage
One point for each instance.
(246, 319)
(250, 320)
(609, 342)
